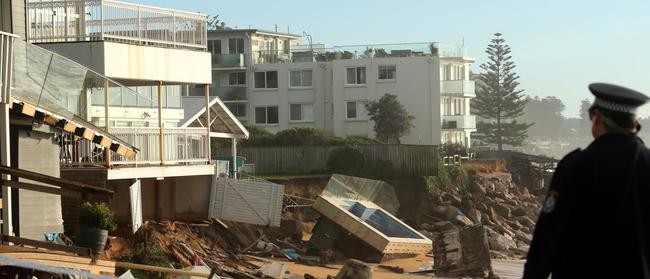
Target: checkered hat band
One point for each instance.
(614, 106)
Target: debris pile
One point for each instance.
(506, 210)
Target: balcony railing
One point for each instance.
(180, 146)
(6, 56)
(451, 122)
(458, 88)
(99, 20)
(236, 60)
(357, 52)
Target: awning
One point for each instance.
(77, 126)
(223, 124)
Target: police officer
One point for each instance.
(595, 222)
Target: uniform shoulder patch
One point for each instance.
(550, 202)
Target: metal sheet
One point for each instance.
(135, 195)
(253, 202)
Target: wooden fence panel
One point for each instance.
(412, 160)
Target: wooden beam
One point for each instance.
(172, 200)
(70, 127)
(29, 109)
(55, 181)
(41, 188)
(161, 269)
(47, 245)
(225, 123)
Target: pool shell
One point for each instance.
(373, 225)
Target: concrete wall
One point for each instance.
(38, 213)
(416, 85)
(189, 195)
(139, 63)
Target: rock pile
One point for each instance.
(507, 211)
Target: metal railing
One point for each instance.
(459, 122)
(357, 52)
(458, 88)
(99, 20)
(6, 64)
(180, 146)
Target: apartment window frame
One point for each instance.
(214, 46)
(302, 79)
(239, 46)
(266, 75)
(238, 77)
(302, 119)
(357, 76)
(238, 110)
(358, 104)
(267, 113)
(387, 68)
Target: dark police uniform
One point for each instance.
(595, 222)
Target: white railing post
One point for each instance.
(65, 19)
(174, 28)
(139, 26)
(101, 20)
(186, 146)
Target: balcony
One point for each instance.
(100, 20)
(180, 146)
(458, 88)
(235, 60)
(453, 122)
(230, 94)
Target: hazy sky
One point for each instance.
(559, 47)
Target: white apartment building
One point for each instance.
(268, 80)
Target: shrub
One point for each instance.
(154, 258)
(96, 215)
(448, 177)
(350, 160)
(258, 136)
(298, 136)
(346, 160)
(353, 140)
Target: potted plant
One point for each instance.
(95, 220)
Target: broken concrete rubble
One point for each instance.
(461, 251)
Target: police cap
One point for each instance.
(617, 98)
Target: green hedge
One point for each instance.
(350, 160)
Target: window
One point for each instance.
(356, 75)
(239, 110)
(300, 78)
(214, 46)
(266, 79)
(235, 46)
(237, 78)
(356, 110)
(266, 115)
(387, 72)
(301, 112)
